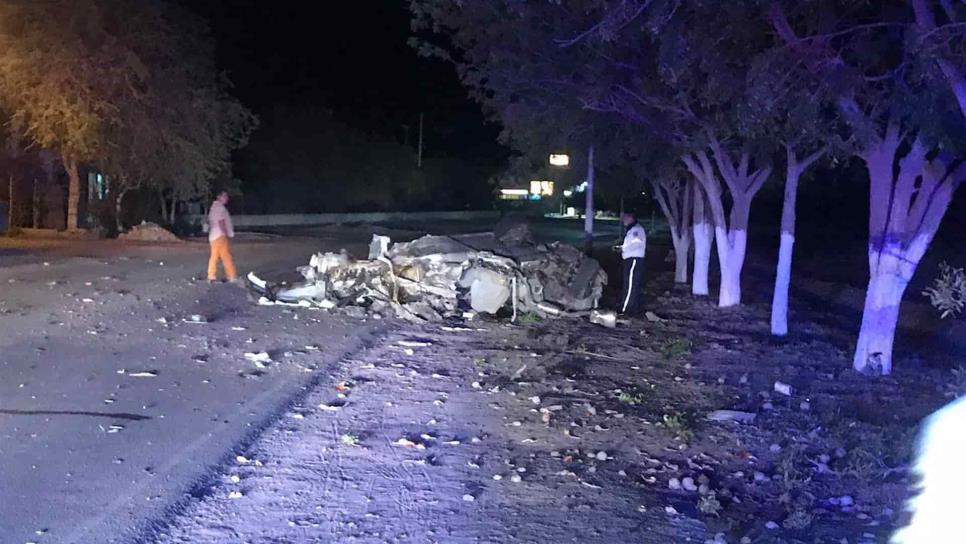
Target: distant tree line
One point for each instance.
(304, 160)
(122, 87)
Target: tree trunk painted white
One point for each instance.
(783, 273)
(703, 238)
(73, 192)
(731, 230)
(674, 197)
(731, 258)
(589, 204)
(682, 250)
(880, 316)
(779, 300)
(905, 210)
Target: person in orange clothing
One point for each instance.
(220, 231)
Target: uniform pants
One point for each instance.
(632, 277)
(221, 251)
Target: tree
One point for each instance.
(520, 69)
(54, 58)
(674, 194)
(784, 105)
(902, 107)
(127, 85)
(177, 133)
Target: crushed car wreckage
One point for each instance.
(441, 276)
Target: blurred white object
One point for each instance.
(604, 318)
(941, 466)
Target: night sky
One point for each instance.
(351, 57)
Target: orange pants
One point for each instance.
(221, 250)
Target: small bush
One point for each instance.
(675, 347)
(948, 291)
(679, 426)
(349, 440)
(957, 385)
(632, 398)
(529, 317)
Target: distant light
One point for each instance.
(559, 159)
(541, 187)
(515, 192)
(582, 187)
(568, 192)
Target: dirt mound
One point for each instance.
(148, 232)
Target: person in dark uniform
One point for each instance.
(632, 273)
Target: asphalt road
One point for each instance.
(113, 408)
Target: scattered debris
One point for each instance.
(261, 358)
(437, 276)
(603, 318)
(731, 415)
(783, 388)
(653, 318)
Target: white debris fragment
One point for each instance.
(535, 399)
(653, 318)
(142, 374)
(407, 443)
(261, 358)
(414, 344)
(235, 495)
(731, 415)
(783, 388)
(603, 318)
(469, 498)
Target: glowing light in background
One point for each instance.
(559, 159)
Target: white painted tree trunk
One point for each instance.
(906, 207)
(783, 273)
(731, 229)
(731, 259)
(674, 196)
(703, 237)
(682, 250)
(880, 316)
(779, 301)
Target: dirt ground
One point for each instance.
(384, 431)
(563, 431)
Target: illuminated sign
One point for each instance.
(541, 187)
(559, 159)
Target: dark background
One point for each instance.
(323, 73)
